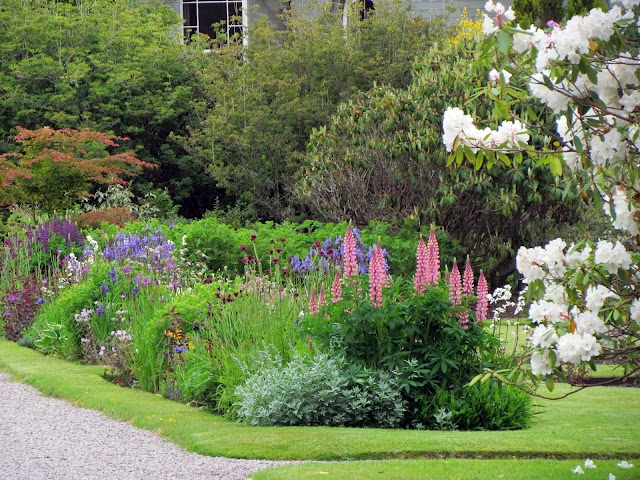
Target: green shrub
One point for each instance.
(254, 138)
(221, 243)
(318, 390)
(482, 406)
(418, 337)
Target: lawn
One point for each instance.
(602, 423)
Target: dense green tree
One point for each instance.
(113, 66)
(267, 97)
(381, 157)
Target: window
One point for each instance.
(212, 16)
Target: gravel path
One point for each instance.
(46, 438)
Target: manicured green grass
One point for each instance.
(602, 422)
(450, 469)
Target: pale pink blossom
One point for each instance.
(467, 280)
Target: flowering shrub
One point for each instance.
(586, 294)
(413, 329)
(327, 256)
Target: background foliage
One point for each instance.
(381, 157)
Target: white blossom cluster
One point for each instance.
(596, 99)
(459, 126)
(564, 332)
(502, 16)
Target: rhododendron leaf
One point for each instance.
(452, 158)
(578, 144)
(469, 155)
(505, 41)
(555, 165)
(476, 379)
(504, 159)
(549, 382)
(479, 160)
(501, 109)
(459, 155)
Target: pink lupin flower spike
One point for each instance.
(463, 318)
(467, 280)
(377, 276)
(350, 260)
(321, 300)
(422, 268)
(482, 307)
(313, 303)
(336, 289)
(455, 285)
(433, 259)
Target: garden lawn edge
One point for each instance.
(601, 422)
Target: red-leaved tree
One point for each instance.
(55, 169)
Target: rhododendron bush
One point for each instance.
(586, 295)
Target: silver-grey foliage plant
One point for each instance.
(319, 390)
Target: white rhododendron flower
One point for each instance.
(502, 16)
(555, 100)
(588, 322)
(588, 463)
(497, 77)
(544, 336)
(541, 363)
(612, 257)
(596, 297)
(624, 212)
(455, 124)
(575, 347)
(555, 293)
(625, 464)
(634, 311)
(609, 148)
(578, 470)
(577, 257)
(543, 311)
